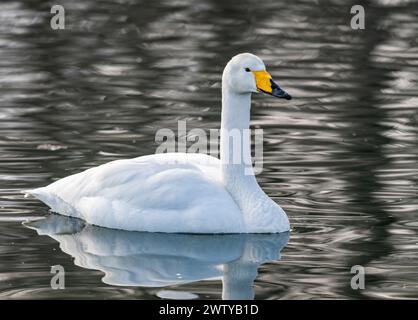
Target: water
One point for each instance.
(341, 158)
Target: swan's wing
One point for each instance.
(161, 193)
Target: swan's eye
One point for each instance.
(247, 69)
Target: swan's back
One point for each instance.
(174, 192)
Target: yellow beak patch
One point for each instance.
(262, 81)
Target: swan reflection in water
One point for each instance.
(160, 259)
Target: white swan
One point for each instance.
(179, 192)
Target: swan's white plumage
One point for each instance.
(188, 193)
(175, 192)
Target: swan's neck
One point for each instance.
(237, 171)
(261, 214)
(235, 137)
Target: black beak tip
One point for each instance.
(278, 92)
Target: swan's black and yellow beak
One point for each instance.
(265, 84)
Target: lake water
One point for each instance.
(341, 158)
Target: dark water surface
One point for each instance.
(341, 158)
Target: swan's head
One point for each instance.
(246, 73)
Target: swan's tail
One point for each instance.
(40, 194)
(53, 201)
